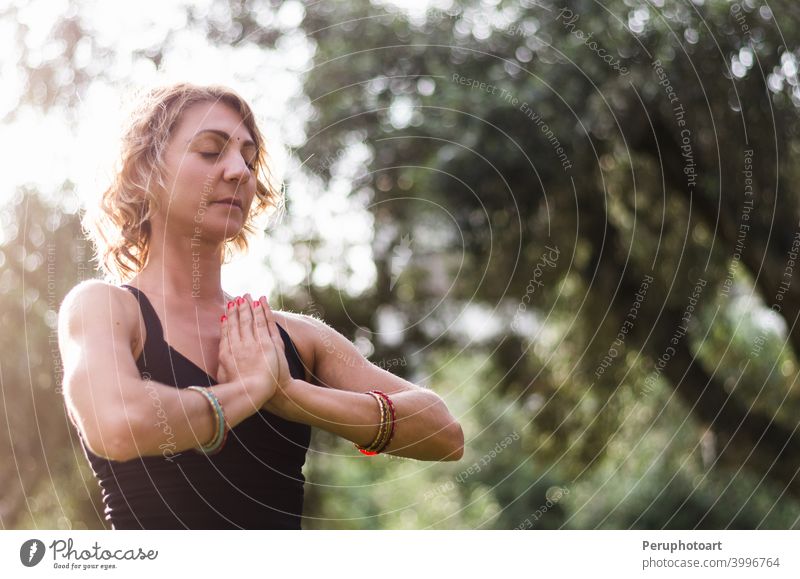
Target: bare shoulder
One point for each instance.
(299, 320)
(91, 295)
(338, 362)
(96, 301)
(308, 328)
(304, 330)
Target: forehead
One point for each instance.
(211, 115)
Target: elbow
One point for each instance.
(124, 448)
(455, 442)
(115, 439)
(451, 436)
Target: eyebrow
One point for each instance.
(223, 134)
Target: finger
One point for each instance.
(225, 350)
(273, 326)
(275, 337)
(223, 338)
(231, 325)
(246, 318)
(270, 315)
(262, 324)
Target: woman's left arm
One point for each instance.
(338, 403)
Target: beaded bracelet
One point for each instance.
(384, 430)
(220, 426)
(375, 444)
(387, 424)
(391, 424)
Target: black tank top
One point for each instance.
(255, 482)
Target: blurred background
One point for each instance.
(577, 222)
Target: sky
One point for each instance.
(80, 145)
(43, 151)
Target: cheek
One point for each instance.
(254, 202)
(193, 168)
(195, 178)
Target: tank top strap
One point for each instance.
(151, 321)
(291, 350)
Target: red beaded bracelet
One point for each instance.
(386, 427)
(371, 448)
(390, 433)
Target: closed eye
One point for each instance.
(210, 155)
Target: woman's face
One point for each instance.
(209, 158)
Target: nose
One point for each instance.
(236, 169)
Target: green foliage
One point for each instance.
(469, 178)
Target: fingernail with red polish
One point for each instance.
(239, 300)
(230, 305)
(223, 318)
(256, 304)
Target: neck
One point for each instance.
(183, 268)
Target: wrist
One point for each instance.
(283, 402)
(254, 389)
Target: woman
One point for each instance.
(195, 408)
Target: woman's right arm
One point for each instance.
(121, 415)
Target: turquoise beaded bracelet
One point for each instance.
(220, 426)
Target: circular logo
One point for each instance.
(31, 552)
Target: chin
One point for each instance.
(225, 224)
(218, 233)
(228, 234)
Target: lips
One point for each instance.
(230, 201)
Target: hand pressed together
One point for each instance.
(251, 349)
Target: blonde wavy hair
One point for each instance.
(119, 225)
